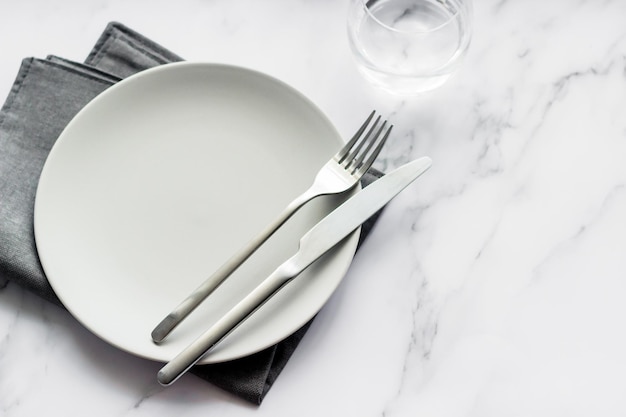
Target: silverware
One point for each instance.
(317, 241)
(342, 172)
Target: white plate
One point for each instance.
(159, 180)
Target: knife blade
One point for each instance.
(321, 238)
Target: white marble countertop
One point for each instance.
(494, 286)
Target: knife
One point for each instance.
(322, 237)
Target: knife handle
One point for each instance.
(229, 322)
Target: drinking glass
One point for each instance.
(409, 46)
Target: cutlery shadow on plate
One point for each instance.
(277, 248)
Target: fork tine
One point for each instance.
(341, 155)
(348, 160)
(368, 163)
(356, 163)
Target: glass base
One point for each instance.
(404, 85)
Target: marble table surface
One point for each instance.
(494, 286)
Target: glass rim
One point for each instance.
(366, 5)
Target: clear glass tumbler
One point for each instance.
(409, 46)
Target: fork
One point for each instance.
(341, 173)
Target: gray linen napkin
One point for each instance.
(46, 95)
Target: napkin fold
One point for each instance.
(45, 96)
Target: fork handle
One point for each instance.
(189, 304)
(229, 322)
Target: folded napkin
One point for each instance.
(46, 95)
